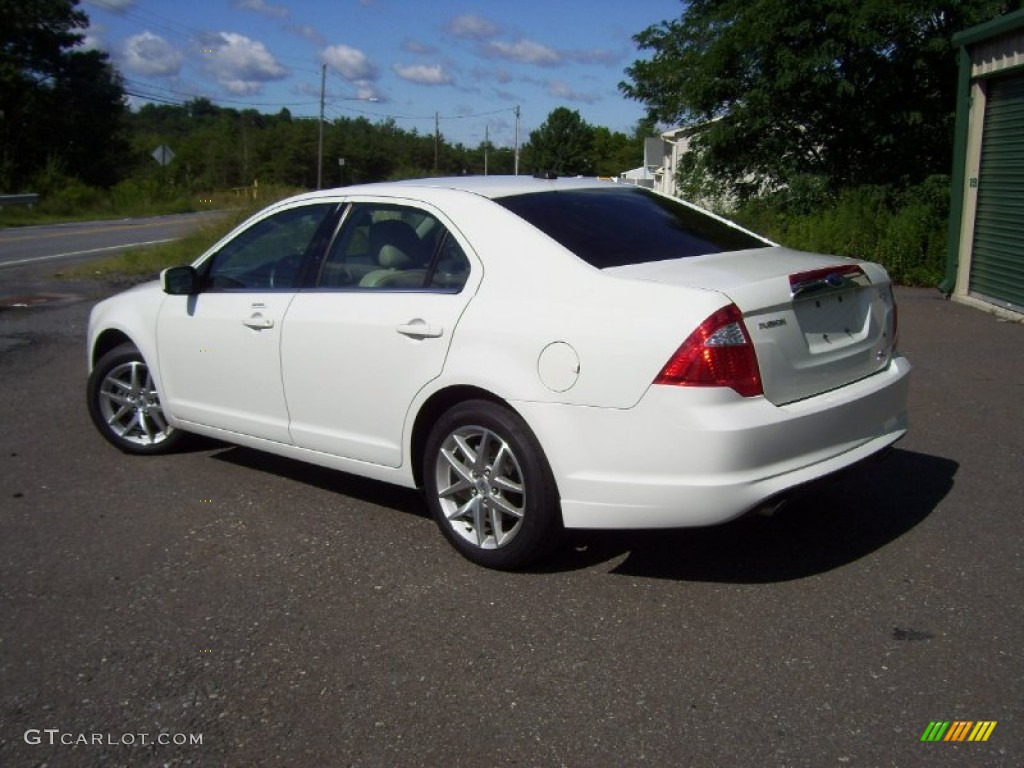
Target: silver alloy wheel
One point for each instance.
(130, 405)
(480, 487)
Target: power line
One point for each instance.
(137, 16)
(480, 114)
(192, 96)
(150, 97)
(392, 116)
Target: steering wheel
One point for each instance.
(284, 271)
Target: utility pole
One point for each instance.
(437, 137)
(517, 141)
(320, 143)
(487, 143)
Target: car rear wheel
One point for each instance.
(125, 406)
(489, 486)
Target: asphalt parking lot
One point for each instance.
(291, 616)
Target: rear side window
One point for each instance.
(617, 226)
(391, 247)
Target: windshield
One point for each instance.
(618, 225)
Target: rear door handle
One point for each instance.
(258, 322)
(418, 329)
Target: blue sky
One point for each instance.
(471, 62)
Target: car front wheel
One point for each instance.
(489, 486)
(125, 406)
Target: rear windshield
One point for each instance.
(621, 225)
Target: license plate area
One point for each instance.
(834, 320)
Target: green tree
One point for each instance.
(60, 105)
(613, 152)
(562, 144)
(855, 91)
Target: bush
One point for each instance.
(74, 197)
(905, 231)
(147, 196)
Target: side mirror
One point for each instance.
(180, 281)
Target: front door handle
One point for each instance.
(258, 322)
(418, 329)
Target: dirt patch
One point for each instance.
(27, 301)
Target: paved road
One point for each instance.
(293, 616)
(21, 246)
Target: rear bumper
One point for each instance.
(690, 456)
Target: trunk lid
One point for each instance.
(817, 322)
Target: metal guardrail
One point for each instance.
(30, 198)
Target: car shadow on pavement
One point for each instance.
(829, 525)
(361, 488)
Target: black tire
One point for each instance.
(489, 486)
(125, 406)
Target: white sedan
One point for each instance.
(533, 354)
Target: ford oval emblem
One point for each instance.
(835, 279)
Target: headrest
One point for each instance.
(396, 245)
(393, 257)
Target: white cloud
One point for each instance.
(561, 90)
(354, 66)
(423, 74)
(524, 51)
(151, 55)
(593, 56)
(366, 91)
(262, 6)
(414, 46)
(351, 63)
(500, 75)
(93, 38)
(472, 27)
(239, 64)
(308, 32)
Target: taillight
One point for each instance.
(718, 354)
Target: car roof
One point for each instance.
(485, 186)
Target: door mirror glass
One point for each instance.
(180, 281)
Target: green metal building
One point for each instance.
(985, 263)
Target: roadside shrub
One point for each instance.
(74, 197)
(905, 230)
(147, 196)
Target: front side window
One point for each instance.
(621, 225)
(268, 255)
(393, 247)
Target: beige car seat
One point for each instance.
(401, 256)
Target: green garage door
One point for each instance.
(997, 263)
